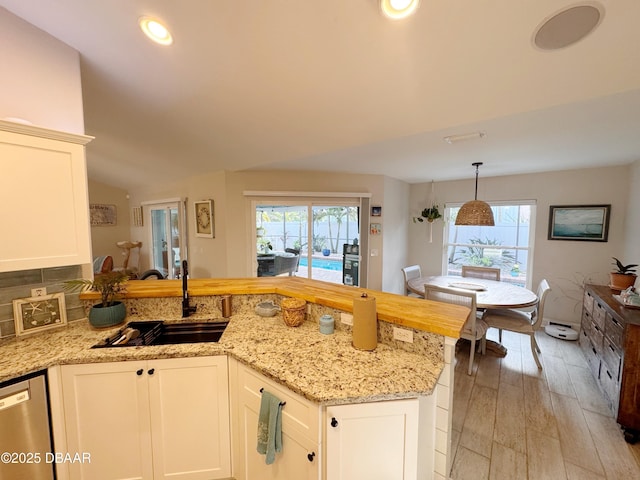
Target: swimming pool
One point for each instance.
(325, 263)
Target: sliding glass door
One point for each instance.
(315, 233)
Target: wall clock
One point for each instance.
(203, 211)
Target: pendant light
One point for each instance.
(475, 212)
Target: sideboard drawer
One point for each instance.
(613, 359)
(610, 387)
(596, 335)
(614, 330)
(590, 354)
(588, 302)
(599, 315)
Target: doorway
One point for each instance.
(166, 237)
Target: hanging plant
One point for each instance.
(430, 214)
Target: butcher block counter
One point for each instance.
(443, 319)
(323, 368)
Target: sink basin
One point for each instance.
(183, 332)
(161, 333)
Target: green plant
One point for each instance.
(475, 255)
(319, 242)
(432, 213)
(624, 269)
(110, 286)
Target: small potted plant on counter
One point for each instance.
(110, 285)
(624, 276)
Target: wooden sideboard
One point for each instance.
(610, 340)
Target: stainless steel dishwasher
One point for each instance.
(25, 433)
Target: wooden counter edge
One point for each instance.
(440, 318)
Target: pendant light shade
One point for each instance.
(475, 212)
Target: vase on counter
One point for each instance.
(102, 317)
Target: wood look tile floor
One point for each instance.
(513, 421)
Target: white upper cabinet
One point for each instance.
(44, 205)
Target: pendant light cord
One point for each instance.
(477, 165)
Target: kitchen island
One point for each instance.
(324, 370)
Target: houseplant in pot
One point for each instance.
(110, 285)
(623, 277)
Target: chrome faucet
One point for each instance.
(186, 309)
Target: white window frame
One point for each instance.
(531, 241)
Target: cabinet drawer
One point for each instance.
(599, 315)
(588, 302)
(586, 322)
(610, 387)
(612, 356)
(299, 414)
(590, 354)
(614, 330)
(596, 335)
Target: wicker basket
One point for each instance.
(293, 311)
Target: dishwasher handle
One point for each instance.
(14, 398)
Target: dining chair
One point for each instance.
(474, 328)
(520, 321)
(410, 273)
(481, 272)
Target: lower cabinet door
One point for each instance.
(106, 408)
(297, 461)
(189, 402)
(143, 420)
(372, 441)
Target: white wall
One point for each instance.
(395, 238)
(40, 80)
(565, 264)
(632, 219)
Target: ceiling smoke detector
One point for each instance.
(568, 26)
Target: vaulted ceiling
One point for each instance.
(333, 85)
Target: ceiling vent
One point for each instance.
(568, 26)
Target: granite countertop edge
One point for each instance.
(325, 369)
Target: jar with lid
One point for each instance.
(326, 324)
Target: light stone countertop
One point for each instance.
(323, 368)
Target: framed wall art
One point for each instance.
(205, 226)
(102, 215)
(376, 211)
(589, 223)
(35, 314)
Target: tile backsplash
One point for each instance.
(15, 285)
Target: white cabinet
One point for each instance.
(300, 456)
(372, 441)
(43, 198)
(155, 419)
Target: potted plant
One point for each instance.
(432, 213)
(110, 285)
(624, 276)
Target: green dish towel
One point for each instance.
(270, 427)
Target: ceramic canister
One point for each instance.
(326, 324)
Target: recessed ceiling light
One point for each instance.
(465, 136)
(398, 8)
(568, 26)
(155, 30)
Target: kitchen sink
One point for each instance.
(183, 332)
(151, 333)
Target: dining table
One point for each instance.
(489, 293)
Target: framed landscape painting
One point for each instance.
(588, 223)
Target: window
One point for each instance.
(508, 245)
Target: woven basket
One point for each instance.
(293, 311)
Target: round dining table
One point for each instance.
(489, 293)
